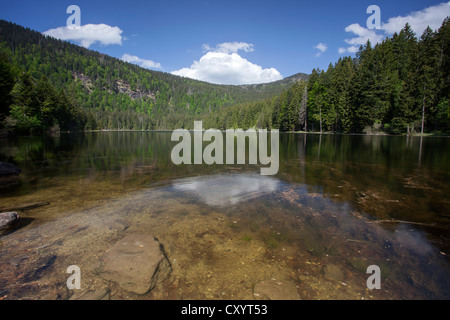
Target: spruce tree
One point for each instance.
(6, 85)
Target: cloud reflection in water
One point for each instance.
(226, 190)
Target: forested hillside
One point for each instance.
(113, 94)
(398, 86)
(286, 112)
(390, 88)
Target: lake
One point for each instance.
(338, 204)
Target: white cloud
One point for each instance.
(234, 47)
(362, 36)
(353, 49)
(230, 47)
(148, 64)
(88, 34)
(419, 20)
(223, 65)
(206, 48)
(322, 47)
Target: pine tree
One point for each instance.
(47, 101)
(25, 107)
(6, 85)
(341, 83)
(428, 69)
(303, 110)
(406, 112)
(441, 110)
(363, 97)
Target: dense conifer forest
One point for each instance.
(393, 87)
(398, 86)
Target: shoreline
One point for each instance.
(281, 132)
(435, 135)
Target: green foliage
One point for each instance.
(393, 86)
(36, 107)
(282, 112)
(6, 85)
(387, 88)
(390, 86)
(120, 95)
(25, 123)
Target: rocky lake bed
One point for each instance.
(139, 228)
(201, 252)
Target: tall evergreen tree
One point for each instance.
(6, 85)
(407, 111)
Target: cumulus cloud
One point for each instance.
(419, 20)
(88, 34)
(362, 35)
(148, 64)
(322, 47)
(223, 65)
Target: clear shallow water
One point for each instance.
(337, 205)
(227, 190)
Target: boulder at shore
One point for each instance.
(8, 169)
(136, 263)
(7, 221)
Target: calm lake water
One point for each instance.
(338, 204)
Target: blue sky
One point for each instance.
(226, 41)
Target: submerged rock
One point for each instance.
(136, 263)
(275, 290)
(100, 294)
(333, 272)
(7, 221)
(8, 169)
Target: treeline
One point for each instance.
(398, 86)
(392, 87)
(128, 96)
(30, 106)
(285, 112)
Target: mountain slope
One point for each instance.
(119, 94)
